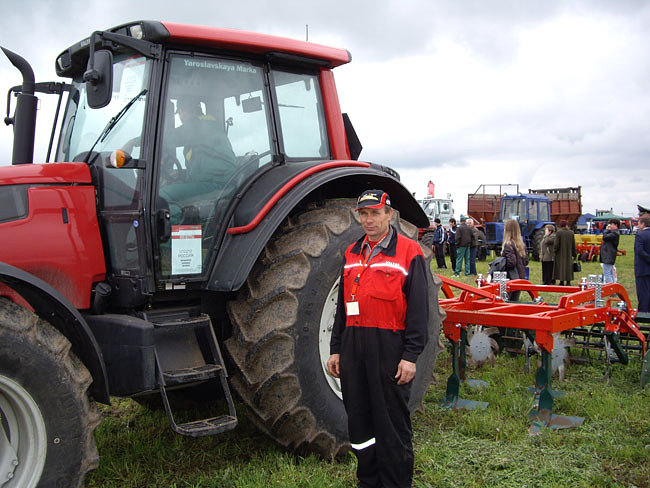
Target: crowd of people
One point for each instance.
(557, 252)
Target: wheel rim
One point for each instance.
(23, 439)
(324, 335)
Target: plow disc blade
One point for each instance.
(482, 347)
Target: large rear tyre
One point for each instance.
(537, 243)
(46, 417)
(282, 322)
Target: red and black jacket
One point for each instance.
(391, 293)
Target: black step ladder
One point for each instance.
(187, 353)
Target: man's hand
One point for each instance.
(405, 371)
(333, 365)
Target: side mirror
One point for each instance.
(250, 105)
(99, 79)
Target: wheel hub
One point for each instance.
(324, 335)
(23, 439)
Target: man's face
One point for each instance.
(470, 222)
(375, 222)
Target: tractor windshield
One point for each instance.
(513, 208)
(83, 126)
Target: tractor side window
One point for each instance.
(532, 210)
(543, 212)
(302, 122)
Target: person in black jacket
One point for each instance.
(380, 329)
(608, 250)
(514, 250)
(439, 237)
(642, 263)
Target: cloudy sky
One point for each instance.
(461, 92)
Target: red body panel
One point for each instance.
(288, 186)
(69, 256)
(335, 127)
(253, 42)
(22, 174)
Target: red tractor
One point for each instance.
(200, 201)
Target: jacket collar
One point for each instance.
(388, 248)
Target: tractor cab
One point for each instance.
(170, 135)
(531, 211)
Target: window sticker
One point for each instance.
(186, 249)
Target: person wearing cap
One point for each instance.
(439, 237)
(463, 244)
(380, 329)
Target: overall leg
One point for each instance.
(358, 406)
(391, 417)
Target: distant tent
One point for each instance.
(607, 216)
(584, 218)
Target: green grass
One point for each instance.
(481, 448)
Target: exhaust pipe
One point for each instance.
(24, 119)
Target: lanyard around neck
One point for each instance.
(364, 262)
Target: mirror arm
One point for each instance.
(146, 48)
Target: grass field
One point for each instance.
(488, 447)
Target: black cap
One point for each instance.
(373, 199)
(437, 221)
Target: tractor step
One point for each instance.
(201, 428)
(191, 375)
(187, 354)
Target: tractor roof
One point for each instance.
(73, 60)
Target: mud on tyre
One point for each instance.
(282, 321)
(46, 417)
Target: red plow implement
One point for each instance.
(488, 305)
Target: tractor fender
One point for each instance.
(53, 307)
(254, 220)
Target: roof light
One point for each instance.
(136, 31)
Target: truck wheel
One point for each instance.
(282, 321)
(536, 243)
(46, 417)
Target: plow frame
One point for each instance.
(592, 302)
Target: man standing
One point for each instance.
(451, 242)
(642, 263)
(565, 253)
(380, 329)
(463, 242)
(473, 246)
(439, 236)
(608, 250)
